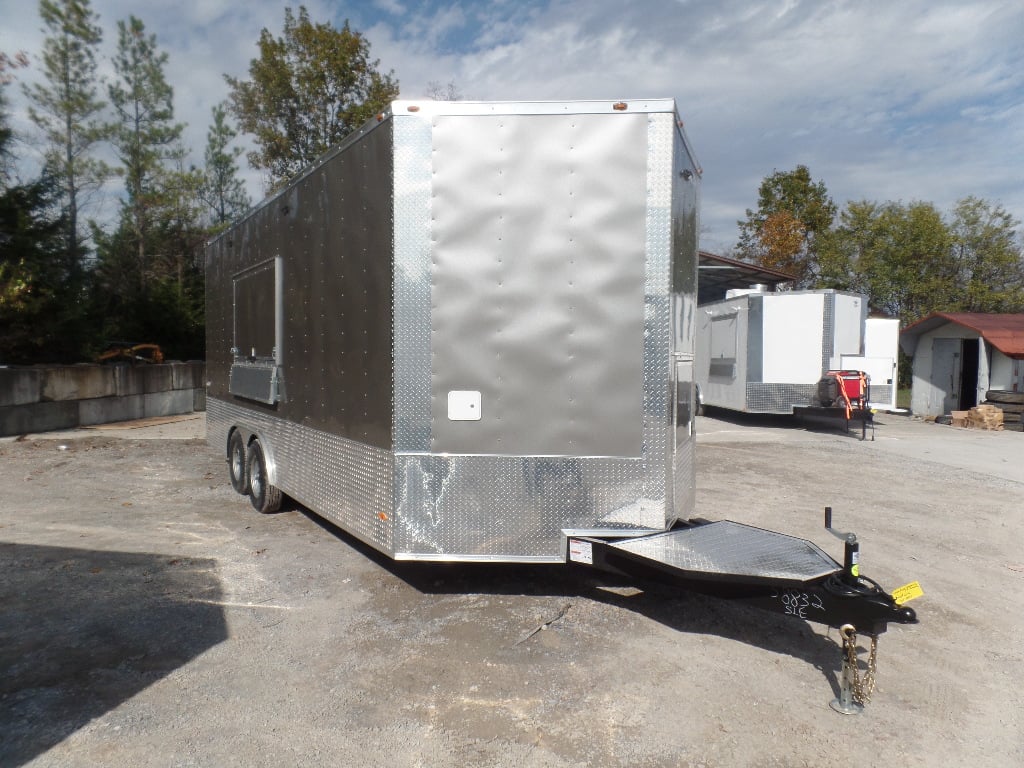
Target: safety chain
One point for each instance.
(863, 687)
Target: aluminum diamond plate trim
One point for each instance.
(412, 185)
(828, 336)
(513, 508)
(658, 429)
(779, 398)
(732, 549)
(347, 482)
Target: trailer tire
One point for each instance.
(265, 497)
(237, 461)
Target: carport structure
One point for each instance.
(959, 356)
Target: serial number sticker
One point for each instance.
(907, 592)
(581, 552)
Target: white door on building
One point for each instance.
(946, 374)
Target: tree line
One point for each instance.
(908, 258)
(70, 284)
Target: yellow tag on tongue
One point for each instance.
(907, 592)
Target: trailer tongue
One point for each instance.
(767, 570)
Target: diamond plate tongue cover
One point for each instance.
(734, 549)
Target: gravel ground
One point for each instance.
(151, 618)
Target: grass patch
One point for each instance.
(903, 398)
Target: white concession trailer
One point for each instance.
(467, 334)
(765, 352)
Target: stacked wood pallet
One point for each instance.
(985, 416)
(1010, 404)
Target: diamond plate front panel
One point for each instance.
(513, 508)
(881, 393)
(734, 549)
(349, 483)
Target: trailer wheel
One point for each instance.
(265, 497)
(236, 464)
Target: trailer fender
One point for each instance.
(248, 436)
(268, 455)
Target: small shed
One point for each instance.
(959, 356)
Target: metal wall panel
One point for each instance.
(333, 230)
(538, 231)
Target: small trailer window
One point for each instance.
(256, 348)
(723, 346)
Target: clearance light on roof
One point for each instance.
(620, 106)
(413, 108)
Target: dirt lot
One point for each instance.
(151, 618)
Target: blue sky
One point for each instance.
(882, 100)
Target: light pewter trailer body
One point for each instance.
(467, 334)
(468, 330)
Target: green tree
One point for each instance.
(145, 135)
(66, 109)
(222, 190)
(900, 255)
(147, 281)
(34, 285)
(988, 257)
(793, 213)
(307, 90)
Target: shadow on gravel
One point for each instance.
(82, 630)
(677, 609)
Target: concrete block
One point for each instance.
(19, 386)
(38, 417)
(129, 380)
(188, 375)
(105, 410)
(198, 399)
(157, 378)
(77, 382)
(199, 371)
(169, 403)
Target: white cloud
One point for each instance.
(912, 100)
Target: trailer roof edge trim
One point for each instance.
(428, 107)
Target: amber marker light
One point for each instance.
(413, 108)
(620, 106)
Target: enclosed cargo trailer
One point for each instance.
(469, 329)
(762, 352)
(467, 334)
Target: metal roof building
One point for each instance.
(959, 356)
(717, 274)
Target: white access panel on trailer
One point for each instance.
(765, 352)
(879, 361)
